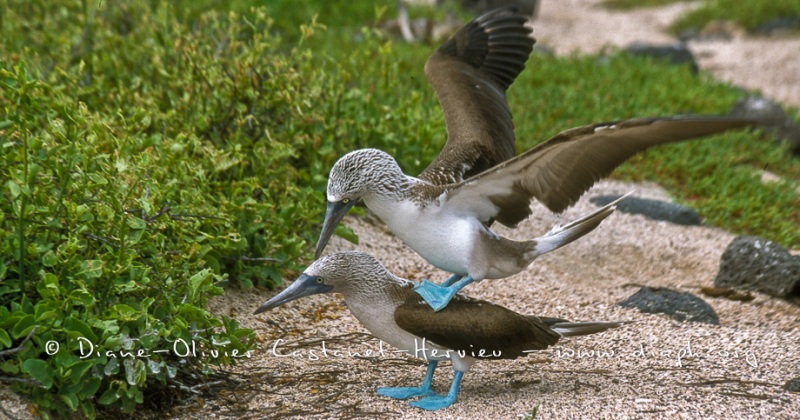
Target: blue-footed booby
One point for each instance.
(445, 212)
(463, 332)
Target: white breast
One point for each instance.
(441, 238)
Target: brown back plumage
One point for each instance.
(470, 325)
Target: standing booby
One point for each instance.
(444, 214)
(467, 330)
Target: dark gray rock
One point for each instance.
(782, 126)
(678, 305)
(753, 263)
(652, 209)
(792, 385)
(677, 54)
(778, 26)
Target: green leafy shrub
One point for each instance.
(150, 160)
(95, 255)
(139, 175)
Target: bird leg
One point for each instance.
(454, 278)
(402, 393)
(436, 296)
(437, 402)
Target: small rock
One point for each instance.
(783, 127)
(792, 385)
(753, 263)
(652, 209)
(677, 54)
(678, 305)
(778, 26)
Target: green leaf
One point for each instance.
(136, 223)
(97, 179)
(90, 387)
(124, 312)
(48, 287)
(81, 297)
(75, 327)
(40, 370)
(5, 340)
(49, 259)
(197, 282)
(70, 399)
(93, 268)
(112, 367)
(135, 371)
(79, 369)
(87, 407)
(110, 396)
(23, 327)
(13, 188)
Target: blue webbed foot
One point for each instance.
(435, 402)
(404, 393)
(436, 296)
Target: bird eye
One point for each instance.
(346, 200)
(320, 280)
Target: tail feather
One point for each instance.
(572, 329)
(559, 236)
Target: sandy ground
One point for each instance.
(653, 368)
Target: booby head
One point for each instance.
(334, 273)
(355, 176)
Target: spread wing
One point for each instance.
(558, 171)
(470, 74)
(471, 325)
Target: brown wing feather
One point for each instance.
(558, 171)
(471, 325)
(470, 74)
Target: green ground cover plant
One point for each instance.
(154, 153)
(750, 14)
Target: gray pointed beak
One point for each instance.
(334, 214)
(305, 285)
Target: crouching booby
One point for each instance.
(465, 331)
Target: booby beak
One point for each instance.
(305, 285)
(334, 213)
